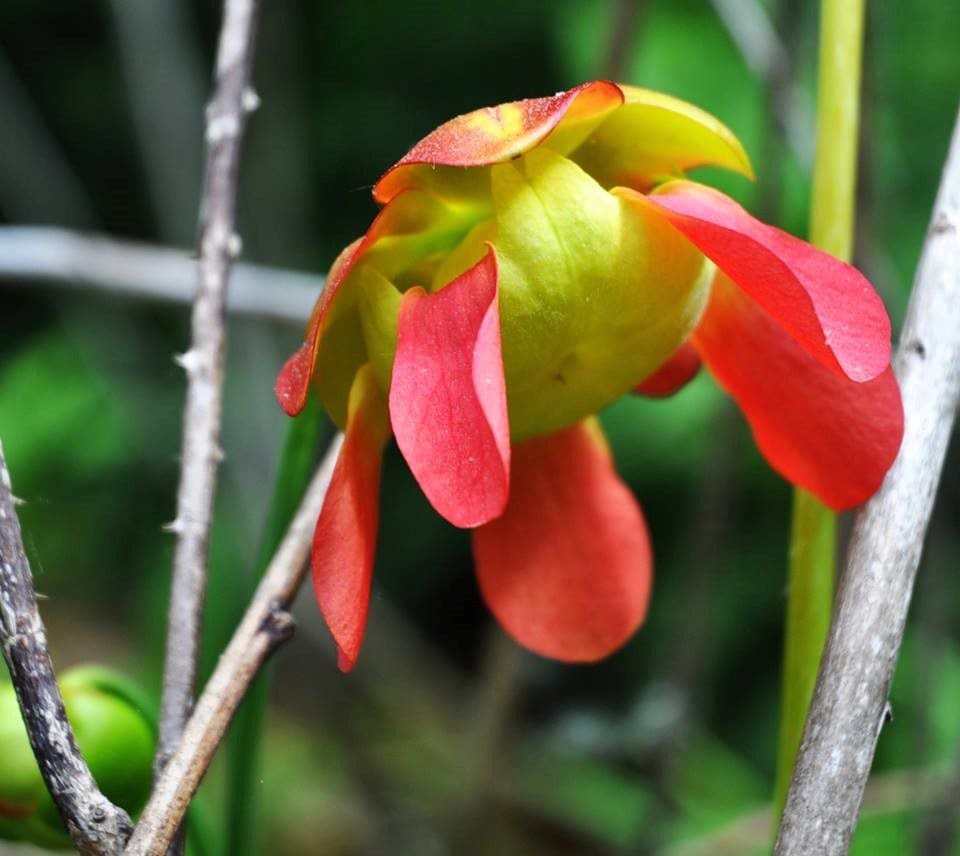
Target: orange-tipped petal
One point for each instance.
(828, 306)
(567, 568)
(681, 368)
(448, 403)
(344, 541)
(654, 136)
(822, 431)
(497, 134)
(293, 382)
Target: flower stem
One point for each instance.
(813, 529)
(297, 462)
(832, 202)
(813, 539)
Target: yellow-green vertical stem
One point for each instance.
(813, 538)
(813, 528)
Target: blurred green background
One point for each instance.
(446, 738)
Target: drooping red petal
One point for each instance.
(345, 538)
(448, 401)
(828, 306)
(567, 568)
(681, 368)
(822, 431)
(497, 134)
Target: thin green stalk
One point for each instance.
(833, 199)
(813, 541)
(813, 531)
(201, 833)
(243, 743)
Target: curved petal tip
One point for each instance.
(826, 305)
(681, 368)
(293, 383)
(497, 134)
(345, 537)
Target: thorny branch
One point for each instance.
(850, 701)
(266, 624)
(218, 245)
(96, 826)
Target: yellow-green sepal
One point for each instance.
(379, 310)
(654, 136)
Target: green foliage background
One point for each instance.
(446, 739)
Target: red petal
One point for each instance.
(681, 368)
(448, 402)
(833, 436)
(344, 541)
(293, 382)
(828, 306)
(497, 134)
(567, 568)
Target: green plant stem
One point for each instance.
(201, 832)
(813, 531)
(813, 541)
(243, 743)
(833, 199)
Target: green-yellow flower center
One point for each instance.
(595, 291)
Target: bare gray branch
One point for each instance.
(85, 262)
(850, 701)
(96, 825)
(203, 363)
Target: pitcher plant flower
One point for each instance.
(531, 263)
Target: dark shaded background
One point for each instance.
(447, 738)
